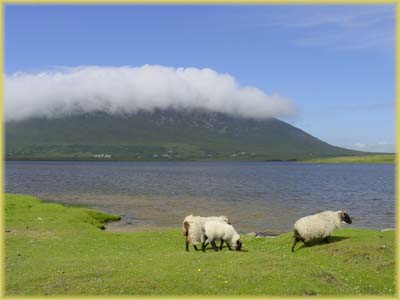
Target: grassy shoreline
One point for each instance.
(56, 250)
(365, 159)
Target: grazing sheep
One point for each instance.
(320, 225)
(192, 225)
(212, 231)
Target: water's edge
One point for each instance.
(257, 197)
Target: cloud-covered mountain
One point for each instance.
(117, 90)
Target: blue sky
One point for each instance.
(336, 63)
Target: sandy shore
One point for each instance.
(140, 213)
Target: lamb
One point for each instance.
(320, 225)
(192, 225)
(212, 231)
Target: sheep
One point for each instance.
(212, 231)
(191, 228)
(320, 225)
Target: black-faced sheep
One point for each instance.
(192, 228)
(224, 232)
(320, 225)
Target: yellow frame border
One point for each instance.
(198, 2)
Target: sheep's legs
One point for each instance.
(186, 234)
(296, 239)
(326, 240)
(229, 246)
(203, 240)
(194, 246)
(214, 246)
(222, 242)
(204, 245)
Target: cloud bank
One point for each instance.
(381, 146)
(131, 89)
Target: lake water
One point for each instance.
(256, 196)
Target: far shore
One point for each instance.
(367, 159)
(359, 159)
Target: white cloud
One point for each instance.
(359, 145)
(130, 89)
(381, 146)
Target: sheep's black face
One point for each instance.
(238, 245)
(346, 218)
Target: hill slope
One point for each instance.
(162, 135)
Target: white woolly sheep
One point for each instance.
(192, 225)
(320, 225)
(212, 231)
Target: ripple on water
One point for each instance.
(256, 196)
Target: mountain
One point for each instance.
(162, 135)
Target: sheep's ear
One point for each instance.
(341, 215)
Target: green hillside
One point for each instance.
(163, 135)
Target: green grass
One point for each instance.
(366, 159)
(56, 250)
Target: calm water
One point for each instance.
(256, 196)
